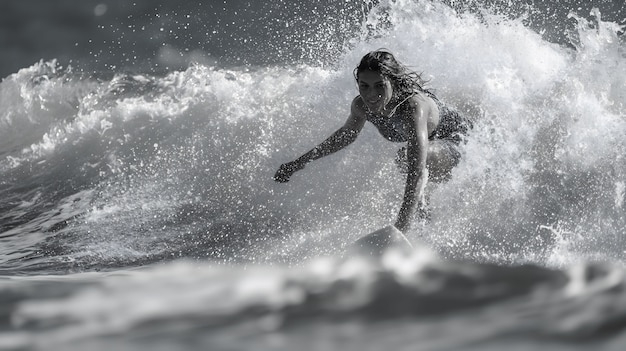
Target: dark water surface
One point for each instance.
(157, 35)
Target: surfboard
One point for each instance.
(377, 242)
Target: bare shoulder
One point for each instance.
(424, 110)
(423, 102)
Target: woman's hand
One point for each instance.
(286, 170)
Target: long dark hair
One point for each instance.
(403, 80)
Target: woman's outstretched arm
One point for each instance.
(341, 138)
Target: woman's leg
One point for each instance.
(443, 156)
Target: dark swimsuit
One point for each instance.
(451, 129)
(396, 126)
(452, 126)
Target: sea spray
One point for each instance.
(180, 164)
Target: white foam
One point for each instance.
(542, 112)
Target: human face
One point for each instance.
(375, 90)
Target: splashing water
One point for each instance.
(141, 167)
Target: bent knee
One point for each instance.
(443, 156)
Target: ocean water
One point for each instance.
(138, 210)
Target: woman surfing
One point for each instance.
(392, 98)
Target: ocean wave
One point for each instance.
(138, 210)
(342, 304)
(179, 164)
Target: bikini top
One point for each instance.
(394, 127)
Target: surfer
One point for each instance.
(392, 98)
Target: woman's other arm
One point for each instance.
(417, 151)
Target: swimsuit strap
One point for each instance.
(391, 126)
(393, 110)
(398, 105)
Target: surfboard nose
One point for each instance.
(376, 243)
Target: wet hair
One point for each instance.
(403, 80)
